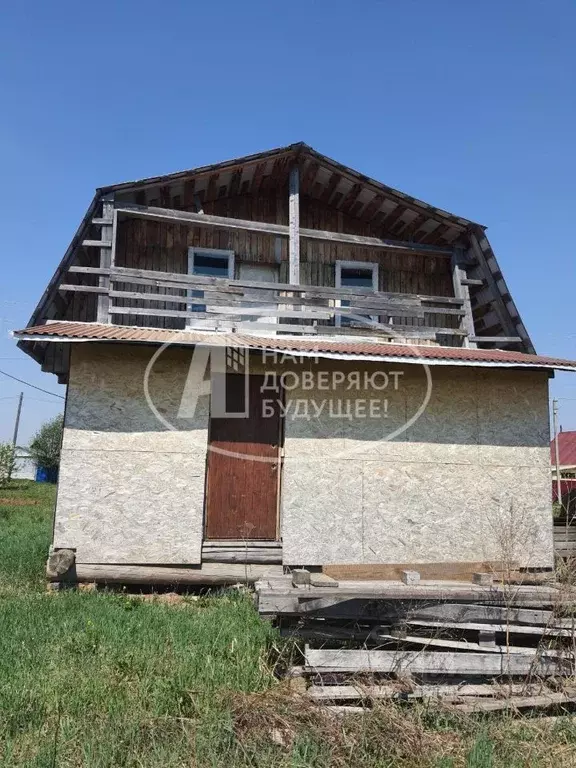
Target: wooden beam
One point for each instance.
(497, 339)
(432, 662)
(308, 176)
(372, 208)
(223, 222)
(350, 198)
(504, 627)
(88, 270)
(437, 232)
(82, 288)
(106, 258)
(127, 275)
(466, 612)
(333, 182)
(393, 690)
(294, 226)
(462, 291)
(235, 181)
(497, 300)
(518, 702)
(392, 218)
(412, 226)
(211, 189)
(103, 243)
(455, 645)
(210, 573)
(242, 555)
(189, 191)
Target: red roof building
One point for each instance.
(567, 461)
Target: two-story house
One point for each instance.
(278, 361)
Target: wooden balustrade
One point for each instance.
(227, 304)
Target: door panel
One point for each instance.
(243, 466)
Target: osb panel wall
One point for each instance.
(468, 481)
(131, 490)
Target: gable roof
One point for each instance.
(314, 166)
(359, 196)
(566, 449)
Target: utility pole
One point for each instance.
(17, 422)
(16, 428)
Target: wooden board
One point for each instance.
(243, 466)
(393, 572)
(432, 662)
(392, 690)
(515, 629)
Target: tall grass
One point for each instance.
(109, 680)
(25, 526)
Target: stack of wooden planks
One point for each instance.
(473, 647)
(565, 541)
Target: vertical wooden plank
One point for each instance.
(108, 233)
(294, 225)
(463, 292)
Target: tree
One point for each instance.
(7, 463)
(45, 447)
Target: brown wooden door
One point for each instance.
(243, 466)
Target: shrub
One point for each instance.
(45, 447)
(7, 462)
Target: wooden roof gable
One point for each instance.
(322, 178)
(387, 210)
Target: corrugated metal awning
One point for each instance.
(360, 349)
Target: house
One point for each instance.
(567, 467)
(278, 361)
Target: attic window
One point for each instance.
(208, 262)
(355, 274)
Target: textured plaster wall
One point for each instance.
(130, 490)
(468, 481)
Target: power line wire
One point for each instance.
(21, 381)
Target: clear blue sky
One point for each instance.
(469, 106)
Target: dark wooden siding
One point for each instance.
(164, 247)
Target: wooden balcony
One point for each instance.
(132, 296)
(150, 297)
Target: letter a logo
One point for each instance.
(222, 362)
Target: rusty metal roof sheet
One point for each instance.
(309, 346)
(76, 331)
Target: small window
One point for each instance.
(207, 262)
(359, 274)
(356, 277)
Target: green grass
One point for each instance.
(108, 680)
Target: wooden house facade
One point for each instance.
(283, 271)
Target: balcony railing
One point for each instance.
(223, 304)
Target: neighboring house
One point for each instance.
(567, 467)
(25, 465)
(395, 411)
